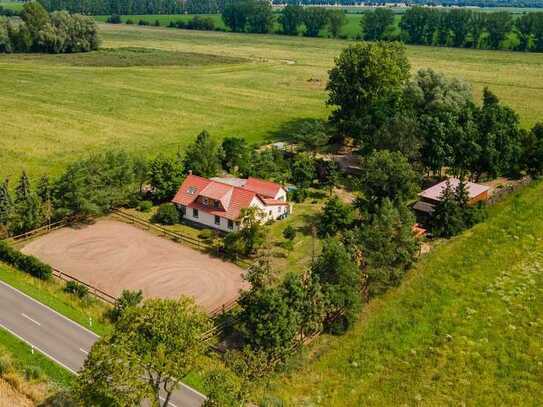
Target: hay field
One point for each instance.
(54, 109)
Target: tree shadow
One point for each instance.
(288, 130)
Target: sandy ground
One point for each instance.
(113, 256)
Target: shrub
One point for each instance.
(172, 24)
(144, 22)
(289, 233)
(145, 206)
(129, 21)
(33, 373)
(167, 214)
(157, 23)
(73, 287)
(126, 300)
(181, 24)
(114, 19)
(298, 195)
(27, 264)
(208, 235)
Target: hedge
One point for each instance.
(28, 264)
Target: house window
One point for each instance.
(194, 212)
(270, 213)
(191, 190)
(216, 204)
(205, 201)
(217, 220)
(230, 224)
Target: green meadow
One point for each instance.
(464, 328)
(152, 90)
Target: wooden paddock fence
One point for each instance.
(92, 290)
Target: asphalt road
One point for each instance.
(59, 338)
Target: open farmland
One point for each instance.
(55, 109)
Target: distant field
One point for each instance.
(11, 5)
(351, 28)
(464, 328)
(57, 108)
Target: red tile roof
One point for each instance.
(265, 188)
(233, 198)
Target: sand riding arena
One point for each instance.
(112, 255)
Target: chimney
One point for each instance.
(190, 172)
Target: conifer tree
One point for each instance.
(6, 204)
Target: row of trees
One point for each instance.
(256, 16)
(430, 119)
(457, 28)
(58, 32)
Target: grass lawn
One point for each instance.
(51, 294)
(13, 5)
(55, 109)
(465, 327)
(21, 354)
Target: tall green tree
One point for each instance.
(235, 156)
(27, 209)
(532, 151)
(447, 219)
(376, 23)
(365, 87)
(203, 156)
(6, 205)
(260, 17)
(499, 138)
(35, 18)
(498, 25)
(386, 175)
(336, 21)
(458, 22)
(235, 14)
(151, 348)
(336, 216)
(388, 246)
(315, 19)
(165, 175)
(291, 19)
(303, 170)
(340, 280)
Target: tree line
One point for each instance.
(39, 31)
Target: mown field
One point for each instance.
(57, 108)
(464, 328)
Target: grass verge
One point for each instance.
(25, 359)
(51, 293)
(465, 327)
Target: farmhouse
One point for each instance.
(217, 202)
(430, 197)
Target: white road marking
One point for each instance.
(38, 349)
(48, 308)
(77, 325)
(30, 319)
(84, 351)
(169, 402)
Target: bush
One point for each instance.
(114, 19)
(208, 235)
(167, 214)
(73, 287)
(157, 23)
(298, 195)
(145, 206)
(127, 300)
(129, 21)
(27, 264)
(144, 22)
(172, 24)
(180, 24)
(33, 373)
(289, 233)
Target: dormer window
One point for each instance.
(205, 201)
(191, 190)
(216, 204)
